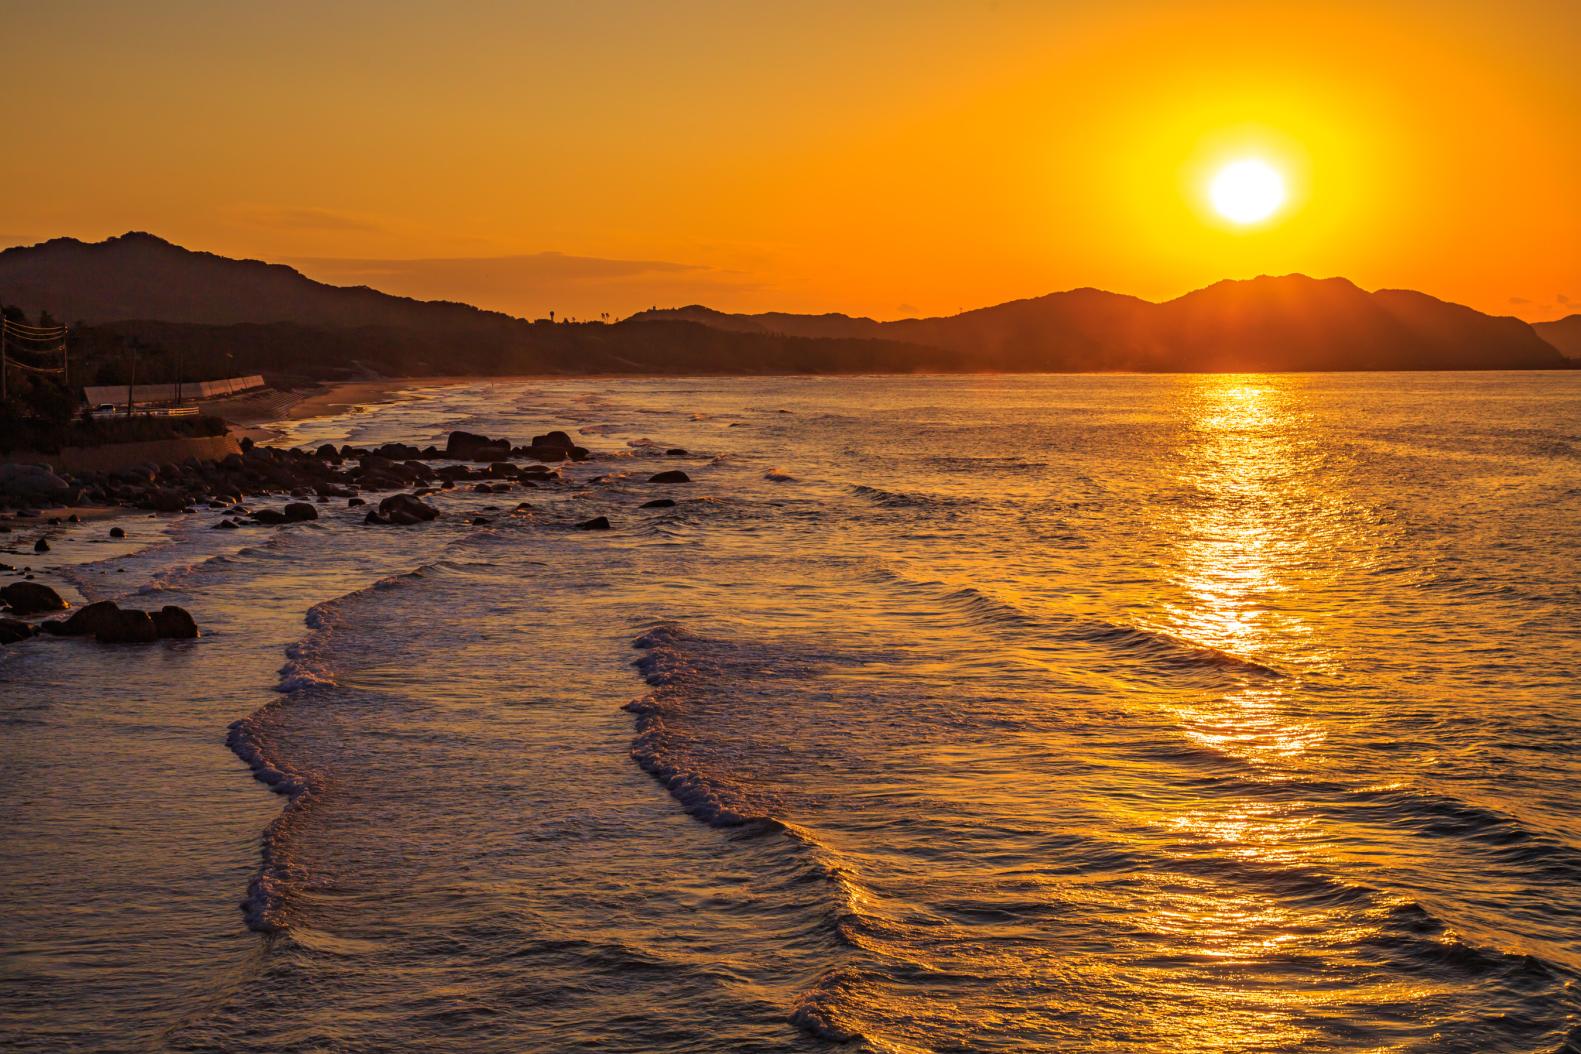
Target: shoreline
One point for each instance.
(328, 399)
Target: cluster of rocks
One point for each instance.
(105, 621)
(326, 473)
(311, 478)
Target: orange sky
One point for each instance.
(876, 158)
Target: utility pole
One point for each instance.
(132, 343)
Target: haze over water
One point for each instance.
(1198, 713)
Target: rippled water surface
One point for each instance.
(1201, 713)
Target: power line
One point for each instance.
(27, 334)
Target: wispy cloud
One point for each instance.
(307, 219)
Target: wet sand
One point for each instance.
(252, 420)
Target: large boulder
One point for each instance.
(12, 631)
(659, 503)
(597, 523)
(27, 598)
(86, 621)
(299, 512)
(34, 483)
(405, 509)
(174, 623)
(166, 500)
(555, 438)
(555, 446)
(127, 627)
(674, 475)
(469, 446)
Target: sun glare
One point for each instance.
(1247, 191)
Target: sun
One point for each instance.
(1247, 191)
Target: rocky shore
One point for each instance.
(264, 486)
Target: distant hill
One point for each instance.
(140, 276)
(1564, 334)
(201, 314)
(1263, 324)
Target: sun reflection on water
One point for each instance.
(1240, 541)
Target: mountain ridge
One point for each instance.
(139, 283)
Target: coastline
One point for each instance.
(326, 400)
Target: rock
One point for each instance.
(352, 503)
(87, 621)
(299, 512)
(127, 627)
(327, 452)
(73, 518)
(174, 623)
(523, 507)
(482, 488)
(166, 501)
(12, 631)
(405, 509)
(543, 447)
(25, 598)
(468, 446)
(554, 439)
(41, 546)
(659, 503)
(117, 532)
(33, 483)
(674, 475)
(373, 519)
(479, 521)
(676, 451)
(597, 523)
(225, 525)
(271, 517)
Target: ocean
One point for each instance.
(1200, 713)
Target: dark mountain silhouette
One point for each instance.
(1286, 323)
(210, 315)
(140, 276)
(1564, 334)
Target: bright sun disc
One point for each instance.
(1247, 191)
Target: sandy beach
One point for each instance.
(250, 418)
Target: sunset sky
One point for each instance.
(877, 158)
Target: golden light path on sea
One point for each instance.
(1243, 452)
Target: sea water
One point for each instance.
(1077, 713)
